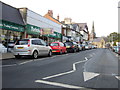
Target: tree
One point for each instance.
(114, 37)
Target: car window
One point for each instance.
(61, 44)
(22, 42)
(74, 43)
(36, 42)
(43, 42)
(68, 44)
(54, 44)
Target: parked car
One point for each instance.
(83, 46)
(31, 47)
(80, 47)
(3, 49)
(58, 47)
(116, 49)
(71, 47)
(94, 46)
(86, 47)
(11, 45)
(90, 46)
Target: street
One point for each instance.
(89, 69)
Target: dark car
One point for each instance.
(11, 45)
(71, 47)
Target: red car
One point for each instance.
(58, 47)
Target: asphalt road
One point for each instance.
(90, 69)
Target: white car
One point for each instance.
(3, 49)
(80, 47)
(86, 47)
(31, 47)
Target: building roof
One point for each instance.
(74, 26)
(51, 18)
(11, 14)
(83, 27)
(98, 39)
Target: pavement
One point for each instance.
(6, 56)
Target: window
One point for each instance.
(54, 44)
(22, 42)
(61, 44)
(36, 42)
(43, 43)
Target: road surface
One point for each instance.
(89, 69)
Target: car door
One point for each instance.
(62, 47)
(36, 44)
(45, 49)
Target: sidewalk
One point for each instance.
(6, 56)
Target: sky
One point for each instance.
(104, 13)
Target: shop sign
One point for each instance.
(55, 35)
(46, 31)
(11, 26)
(30, 29)
(58, 35)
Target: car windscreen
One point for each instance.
(68, 43)
(22, 42)
(54, 44)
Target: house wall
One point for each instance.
(100, 44)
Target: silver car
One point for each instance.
(31, 47)
(3, 49)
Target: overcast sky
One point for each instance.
(104, 13)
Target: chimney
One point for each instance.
(58, 17)
(50, 13)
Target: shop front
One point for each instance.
(10, 32)
(33, 31)
(55, 36)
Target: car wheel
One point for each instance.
(60, 52)
(74, 50)
(17, 56)
(35, 54)
(50, 53)
(66, 52)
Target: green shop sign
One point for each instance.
(11, 26)
(55, 35)
(30, 29)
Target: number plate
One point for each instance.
(67, 46)
(20, 48)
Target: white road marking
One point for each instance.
(73, 70)
(25, 62)
(58, 84)
(86, 58)
(8, 65)
(118, 77)
(89, 75)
